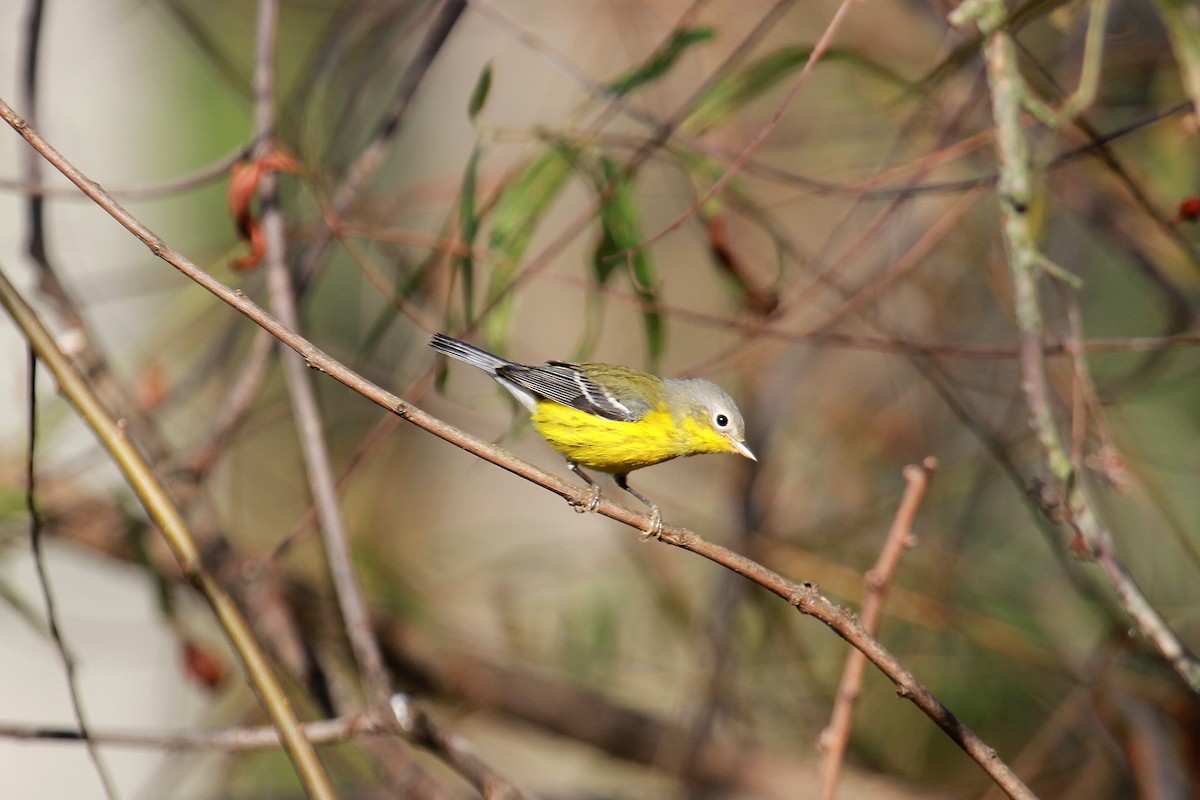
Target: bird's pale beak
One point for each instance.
(741, 448)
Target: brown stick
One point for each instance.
(835, 738)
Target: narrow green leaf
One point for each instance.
(480, 94)
(661, 62)
(522, 203)
(468, 221)
(514, 219)
(730, 94)
(621, 245)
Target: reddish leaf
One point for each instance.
(1188, 211)
(243, 185)
(204, 666)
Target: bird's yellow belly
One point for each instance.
(607, 445)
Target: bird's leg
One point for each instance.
(593, 501)
(655, 515)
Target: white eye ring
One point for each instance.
(721, 420)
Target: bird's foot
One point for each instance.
(593, 502)
(656, 526)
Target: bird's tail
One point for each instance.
(468, 353)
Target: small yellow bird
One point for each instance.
(614, 419)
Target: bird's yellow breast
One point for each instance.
(618, 447)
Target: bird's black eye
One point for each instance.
(722, 421)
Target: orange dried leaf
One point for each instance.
(151, 387)
(204, 666)
(244, 177)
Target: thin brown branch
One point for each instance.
(249, 379)
(807, 600)
(835, 738)
(191, 180)
(456, 751)
(230, 740)
(408, 717)
(37, 548)
(356, 619)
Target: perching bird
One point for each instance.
(614, 419)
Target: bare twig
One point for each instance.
(835, 738)
(177, 185)
(43, 578)
(310, 430)
(805, 598)
(416, 723)
(232, 740)
(1089, 71)
(250, 377)
(87, 352)
(405, 716)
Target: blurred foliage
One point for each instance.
(548, 192)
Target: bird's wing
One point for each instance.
(567, 384)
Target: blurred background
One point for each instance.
(662, 185)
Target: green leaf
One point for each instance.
(480, 94)
(661, 62)
(515, 217)
(621, 245)
(730, 94)
(468, 221)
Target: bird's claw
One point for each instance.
(593, 502)
(656, 526)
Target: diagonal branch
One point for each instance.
(836, 736)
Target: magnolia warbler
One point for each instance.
(614, 419)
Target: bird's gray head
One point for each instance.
(708, 415)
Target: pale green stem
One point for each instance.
(1181, 18)
(1010, 99)
(166, 516)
